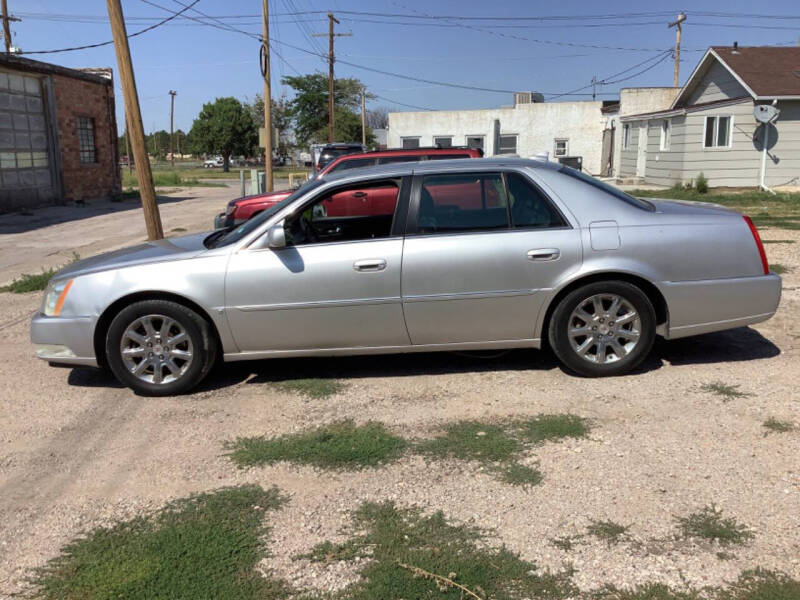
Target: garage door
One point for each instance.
(25, 170)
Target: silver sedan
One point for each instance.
(415, 257)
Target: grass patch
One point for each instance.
(608, 531)
(417, 556)
(729, 392)
(341, 445)
(313, 388)
(778, 268)
(781, 210)
(169, 179)
(710, 525)
(761, 584)
(773, 425)
(565, 543)
(777, 241)
(546, 428)
(473, 440)
(35, 282)
(206, 546)
(647, 591)
(179, 229)
(519, 474)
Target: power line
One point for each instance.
(401, 103)
(145, 30)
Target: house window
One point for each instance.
(562, 148)
(86, 140)
(717, 132)
(508, 144)
(443, 142)
(666, 134)
(626, 136)
(475, 141)
(410, 143)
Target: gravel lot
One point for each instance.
(77, 450)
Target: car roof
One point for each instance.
(376, 154)
(451, 165)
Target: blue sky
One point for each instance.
(506, 53)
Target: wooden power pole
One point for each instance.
(128, 143)
(172, 94)
(331, 60)
(265, 71)
(677, 24)
(363, 115)
(147, 192)
(6, 27)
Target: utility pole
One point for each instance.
(128, 143)
(152, 218)
(677, 24)
(172, 94)
(265, 71)
(594, 86)
(363, 115)
(6, 20)
(331, 60)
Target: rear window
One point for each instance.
(608, 189)
(355, 163)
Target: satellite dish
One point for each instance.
(765, 113)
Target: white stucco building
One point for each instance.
(572, 132)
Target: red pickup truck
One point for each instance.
(241, 209)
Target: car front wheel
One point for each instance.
(159, 348)
(603, 328)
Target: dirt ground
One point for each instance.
(77, 450)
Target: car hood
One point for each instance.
(177, 248)
(688, 207)
(261, 198)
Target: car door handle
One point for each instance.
(359, 194)
(370, 264)
(544, 254)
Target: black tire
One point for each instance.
(560, 324)
(201, 343)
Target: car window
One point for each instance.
(462, 202)
(447, 156)
(529, 206)
(609, 189)
(387, 160)
(350, 213)
(355, 163)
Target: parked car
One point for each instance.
(210, 163)
(331, 152)
(241, 209)
(443, 255)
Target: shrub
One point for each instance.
(701, 183)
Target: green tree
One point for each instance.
(309, 107)
(224, 127)
(281, 121)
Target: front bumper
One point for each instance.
(64, 340)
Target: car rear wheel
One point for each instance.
(159, 348)
(603, 328)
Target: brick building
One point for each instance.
(58, 134)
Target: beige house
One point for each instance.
(710, 126)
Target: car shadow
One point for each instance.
(36, 218)
(735, 345)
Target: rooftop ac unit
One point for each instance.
(527, 98)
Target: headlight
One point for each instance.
(55, 295)
(231, 209)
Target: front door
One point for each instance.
(480, 247)
(641, 151)
(336, 285)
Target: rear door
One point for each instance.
(480, 249)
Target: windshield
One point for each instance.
(609, 189)
(224, 237)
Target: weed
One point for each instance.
(517, 474)
(607, 531)
(778, 268)
(179, 229)
(565, 543)
(725, 556)
(201, 547)
(774, 425)
(777, 241)
(473, 440)
(341, 445)
(701, 184)
(313, 388)
(729, 392)
(710, 525)
(761, 584)
(417, 556)
(553, 427)
(35, 282)
(647, 591)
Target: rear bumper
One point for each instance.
(64, 340)
(697, 307)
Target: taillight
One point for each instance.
(759, 245)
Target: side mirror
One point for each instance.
(276, 236)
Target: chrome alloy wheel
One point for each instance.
(604, 328)
(156, 349)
